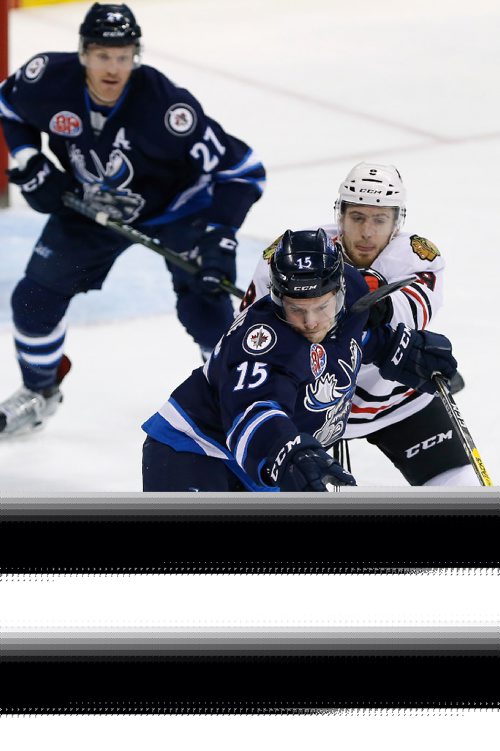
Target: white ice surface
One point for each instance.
(314, 87)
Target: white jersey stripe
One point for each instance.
(244, 440)
(176, 420)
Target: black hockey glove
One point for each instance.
(41, 183)
(414, 357)
(302, 464)
(217, 255)
(382, 311)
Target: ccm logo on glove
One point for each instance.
(37, 180)
(41, 183)
(403, 344)
(280, 458)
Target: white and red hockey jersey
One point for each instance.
(377, 402)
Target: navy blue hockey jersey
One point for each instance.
(157, 147)
(264, 384)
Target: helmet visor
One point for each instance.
(315, 313)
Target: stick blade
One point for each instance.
(371, 298)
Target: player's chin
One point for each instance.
(112, 87)
(364, 260)
(315, 337)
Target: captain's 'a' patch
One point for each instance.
(425, 249)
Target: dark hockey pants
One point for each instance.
(423, 445)
(74, 255)
(164, 469)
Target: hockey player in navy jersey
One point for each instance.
(132, 143)
(411, 428)
(278, 387)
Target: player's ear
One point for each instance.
(82, 55)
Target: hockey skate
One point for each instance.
(26, 411)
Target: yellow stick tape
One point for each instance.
(479, 464)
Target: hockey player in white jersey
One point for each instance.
(411, 428)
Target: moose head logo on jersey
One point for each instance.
(106, 190)
(327, 395)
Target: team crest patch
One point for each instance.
(34, 70)
(180, 119)
(259, 339)
(424, 249)
(318, 360)
(268, 253)
(66, 124)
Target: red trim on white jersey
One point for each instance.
(374, 410)
(419, 299)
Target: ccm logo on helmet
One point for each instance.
(370, 190)
(404, 341)
(281, 456)
(301, 287)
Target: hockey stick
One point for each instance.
(135, 236)
(463, 432)
(371, 298)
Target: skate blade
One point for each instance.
(24, 432)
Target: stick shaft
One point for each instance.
(463, 431)
(135, 236)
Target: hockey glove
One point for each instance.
(302, 465)
(217, 256)
(41, 183)
(415, 356)
(118, 204)
(382, 311)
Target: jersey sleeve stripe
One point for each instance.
(6, 111)
(257, 183)
(242, 416)
(413, 308)
(178, 419)
(419, 298)
(241, 447)
(423, 294)
(249, 163)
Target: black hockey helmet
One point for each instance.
(109, 25)
(307, 264)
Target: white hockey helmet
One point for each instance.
(373, 185)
